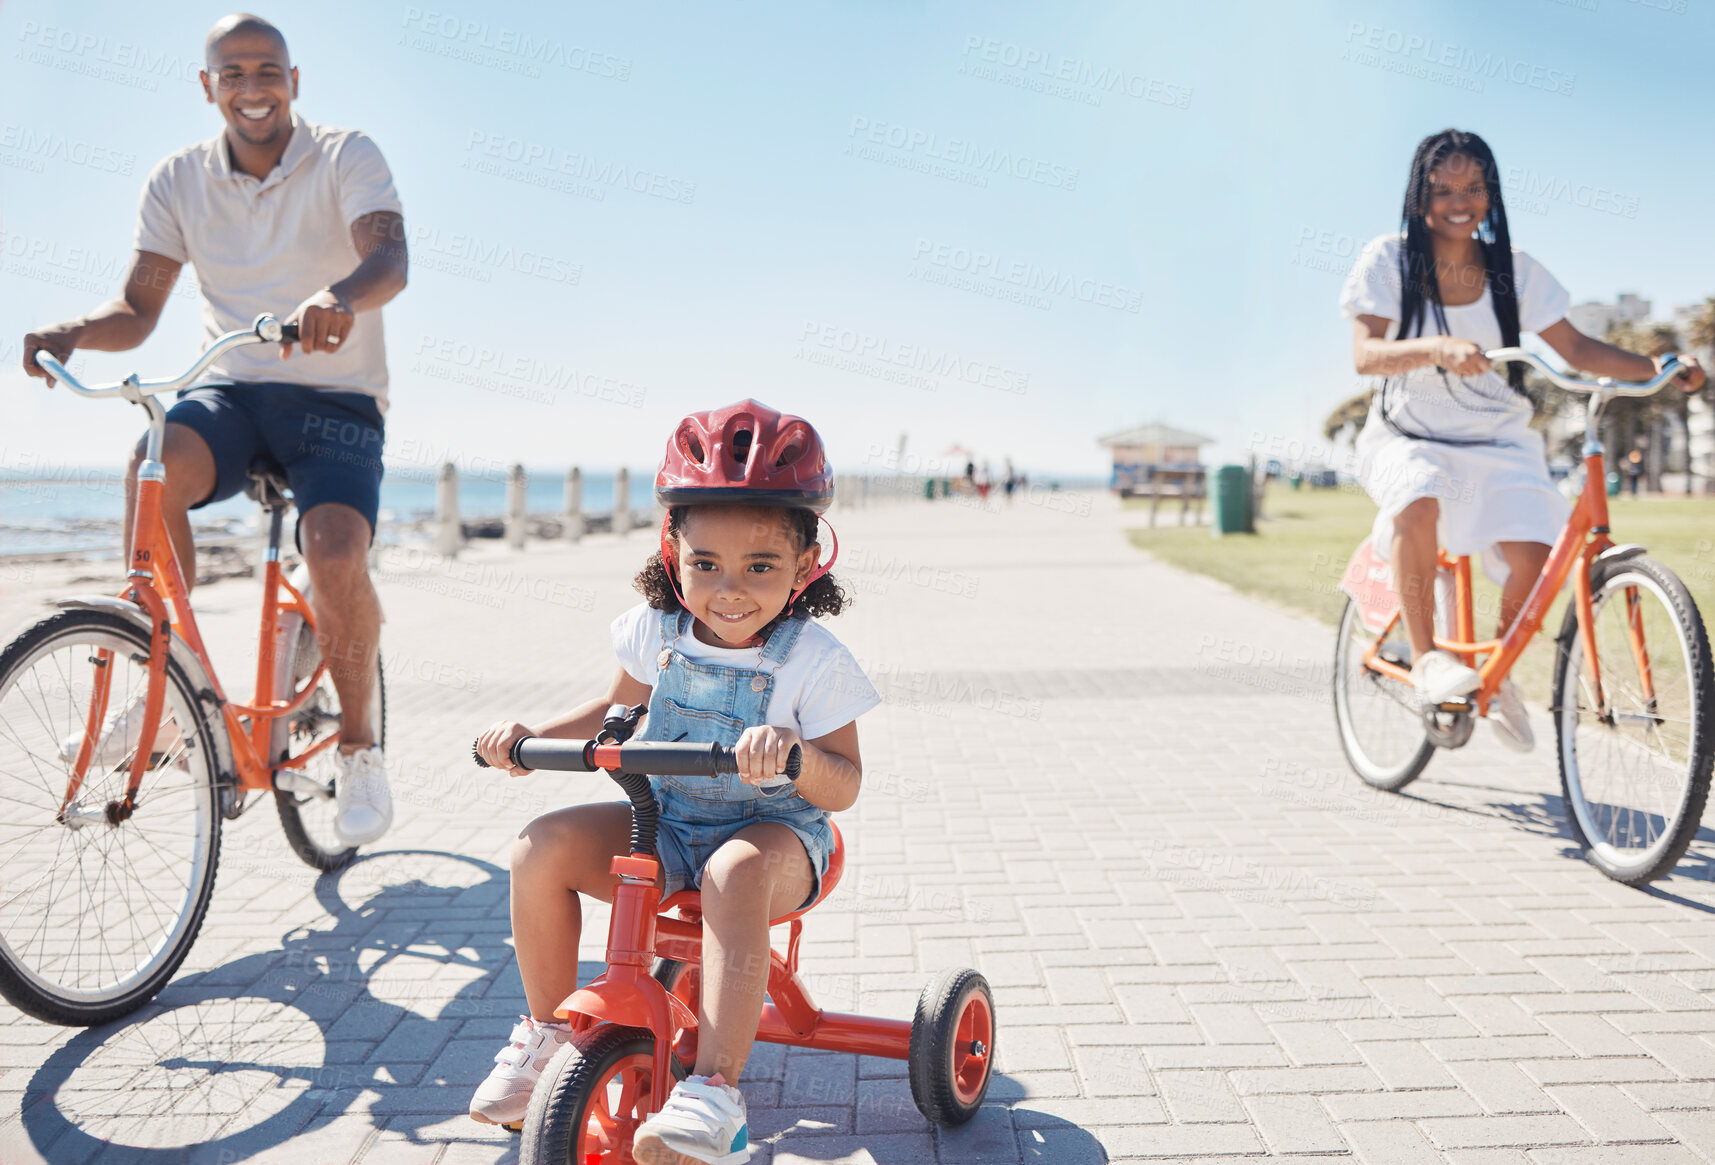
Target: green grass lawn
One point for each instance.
(1301, 546)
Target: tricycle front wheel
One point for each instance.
(591, 1098)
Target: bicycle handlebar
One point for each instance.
(266, 330)
(1605, 384)
(664, 759)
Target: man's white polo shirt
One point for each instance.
(267, 245)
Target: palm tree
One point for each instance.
(1630, 418)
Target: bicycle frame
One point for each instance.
(1584, 538)
(156, 584)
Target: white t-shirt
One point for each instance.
(1422, 401)
(267, 245)
(818, 689)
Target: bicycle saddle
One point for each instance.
(268, 485)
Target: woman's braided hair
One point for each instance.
(1420, 293)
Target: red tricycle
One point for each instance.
(636, 1024)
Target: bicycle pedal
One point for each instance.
(1459, 705)
(301, 784)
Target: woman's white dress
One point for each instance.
(1465, 441)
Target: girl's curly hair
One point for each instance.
(825, 596)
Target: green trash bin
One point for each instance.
(1230, 501)
(929, 488)
(1613, 484)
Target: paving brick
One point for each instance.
(1608, 1113)
(1295, 1124)
(1390, 1143)
(1501, 1087)
(1477, 1132)
(1199, 1096)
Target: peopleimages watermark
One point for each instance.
(1429, 59)
(96, 55)
(471, 256)
(565, 172)
(76, 267)
(27, 148)
(1068, 78)
(1018, 280)
(509, 50)
(880, 356)
(911, 145)
(513, 374)
(1531, 192)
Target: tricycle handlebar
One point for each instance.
(663, 759)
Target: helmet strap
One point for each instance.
(821, 568)
(668, 561)
(670, 565)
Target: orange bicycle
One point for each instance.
(121, 754)
(1632, 679)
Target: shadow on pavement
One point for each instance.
(355, 1035)
(230, 1062)
(1545, 814)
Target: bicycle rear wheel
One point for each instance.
(307, 812)
(1634, 770)
(1381, 728)
(97, 908)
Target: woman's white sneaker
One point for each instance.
(504, 1097)
(1511, 719)
(1439, 677)
(365, 804)
(701, 1120)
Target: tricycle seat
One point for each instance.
(689, 903)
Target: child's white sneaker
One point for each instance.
(701, 1120)
(504, 1097)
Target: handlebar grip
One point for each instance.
(725, 765)
(288, 333)
(565, 756)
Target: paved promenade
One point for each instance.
(1111, 786)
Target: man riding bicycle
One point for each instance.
(274, 212)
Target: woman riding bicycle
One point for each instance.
(1447, 452)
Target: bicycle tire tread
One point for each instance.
(1702, 682)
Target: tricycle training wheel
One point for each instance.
(952, 1047)
(591, 1098)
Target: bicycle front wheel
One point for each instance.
(98, 908)
(1381, 729)
(1634, 765)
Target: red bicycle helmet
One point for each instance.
(745, 453)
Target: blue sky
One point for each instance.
(1004, 227)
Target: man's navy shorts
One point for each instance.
(328, 443)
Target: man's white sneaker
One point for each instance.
(365, 805)
(1439, 677)
(1510, 718)
(120, 733)
(504, 1097)
(701, 1120)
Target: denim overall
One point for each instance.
(701, 703)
